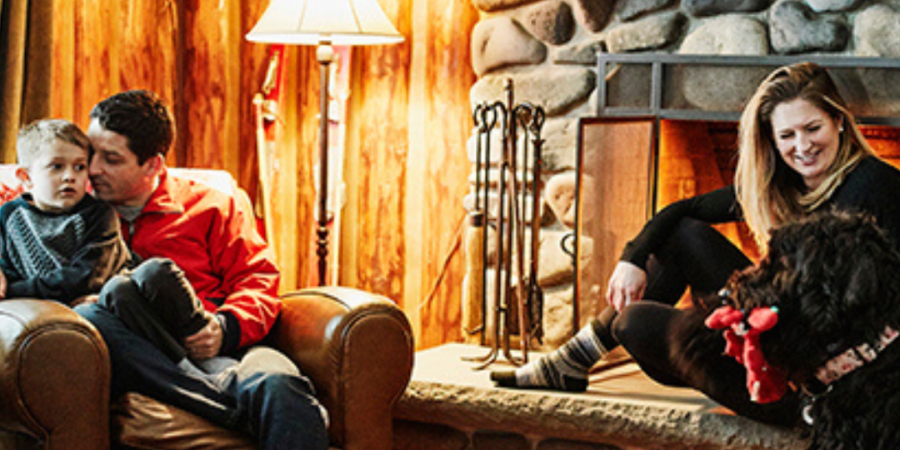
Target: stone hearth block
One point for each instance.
(632, 9)
(721, 88)
(795, 28)
(877, 33)
(594, 14)
(557, 89)
(497, 5)
(622, 409)
(488, 440)
(551, 21)
(645, 34)
(562, 444)
(502, 42)
(412, 436)
(702, 8)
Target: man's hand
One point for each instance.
(2, 285)
(205, 343)
(626, 285)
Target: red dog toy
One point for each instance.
(765, 384)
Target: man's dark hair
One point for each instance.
(142, 117)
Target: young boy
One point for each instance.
(59, 243)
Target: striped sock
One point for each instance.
(564, 369)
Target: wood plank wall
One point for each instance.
(406, 167)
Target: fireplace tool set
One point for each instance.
(504, 279)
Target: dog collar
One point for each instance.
(854, 358)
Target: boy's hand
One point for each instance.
(205, 343)
(2, 285)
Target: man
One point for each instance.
(228, 265)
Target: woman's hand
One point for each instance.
(626, 285)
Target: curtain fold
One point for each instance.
(26, 49)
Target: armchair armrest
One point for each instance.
(357, 348)
(54, 376)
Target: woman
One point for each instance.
(800, 151)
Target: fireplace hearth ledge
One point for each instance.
(622, 409)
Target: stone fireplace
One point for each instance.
(549, 49)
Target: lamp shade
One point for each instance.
(311, 22)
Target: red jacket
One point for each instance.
(217, 245)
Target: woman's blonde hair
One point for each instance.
(771, 193)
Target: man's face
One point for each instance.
(114, 170)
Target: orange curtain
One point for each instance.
(26, 41)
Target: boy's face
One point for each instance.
(57, 179)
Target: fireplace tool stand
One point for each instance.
(516, 179)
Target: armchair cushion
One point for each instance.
(143, 423)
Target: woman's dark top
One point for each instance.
(872, 187)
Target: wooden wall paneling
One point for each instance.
(63, 95)
(148, 47)
(447, 126)
(97, 34)
(209, 125)
(254, 61)
(305, 127)
(294, 190)
(376, 166)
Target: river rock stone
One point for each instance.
(560, 142)
(701, 8)
(795, 28)
(632, 9)
(560, 197)
(584, 52)
(557, 89)
(645, 34)
(501, 42)
(723, 88)
(876, 32)
(832, 5)
(594, 14)
(551, 22)
(497, 5)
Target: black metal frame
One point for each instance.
(660, 62)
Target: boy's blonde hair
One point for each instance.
(34, 136)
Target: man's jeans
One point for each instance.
(263, 393)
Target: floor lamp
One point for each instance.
(324, 23)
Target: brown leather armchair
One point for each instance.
(54, 377)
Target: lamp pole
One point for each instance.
(325, 55)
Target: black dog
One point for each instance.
(834, 283)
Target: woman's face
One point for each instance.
(807, 139)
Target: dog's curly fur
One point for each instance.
(835, 279)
